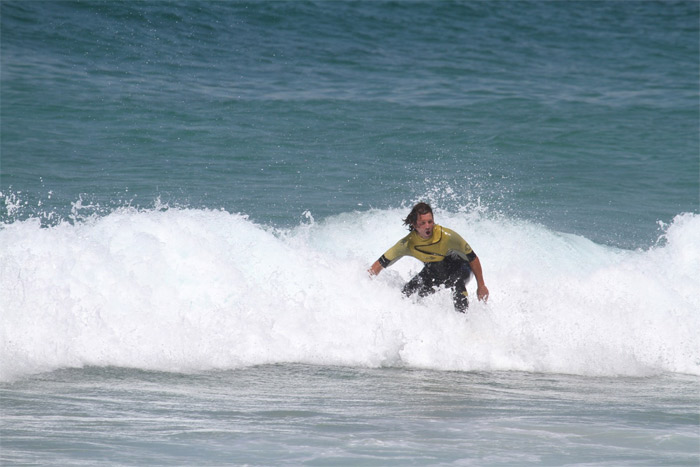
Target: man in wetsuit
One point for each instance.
(449, 260)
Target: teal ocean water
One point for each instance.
(191, 193)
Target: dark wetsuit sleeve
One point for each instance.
(384, 261)
(471, 256)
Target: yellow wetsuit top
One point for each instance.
(442, 243)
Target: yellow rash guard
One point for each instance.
(442, 243)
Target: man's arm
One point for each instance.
(395, 252)
(482, 292)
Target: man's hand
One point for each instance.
(482, 293)
(375, 269)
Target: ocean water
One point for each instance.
(191, 194)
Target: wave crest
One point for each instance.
(194, 290)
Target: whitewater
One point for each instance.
(190, 290)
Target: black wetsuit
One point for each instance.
(446, 256)
(450, 272)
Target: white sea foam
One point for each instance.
(189, 290)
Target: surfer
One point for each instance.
(448, 259)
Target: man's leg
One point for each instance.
(459, 296)
(421, 283)
(458, 282)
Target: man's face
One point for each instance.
(424, 225)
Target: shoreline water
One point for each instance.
(310, 415)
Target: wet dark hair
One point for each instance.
(418, 209)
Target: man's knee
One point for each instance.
(412, 286)
(420, 284)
